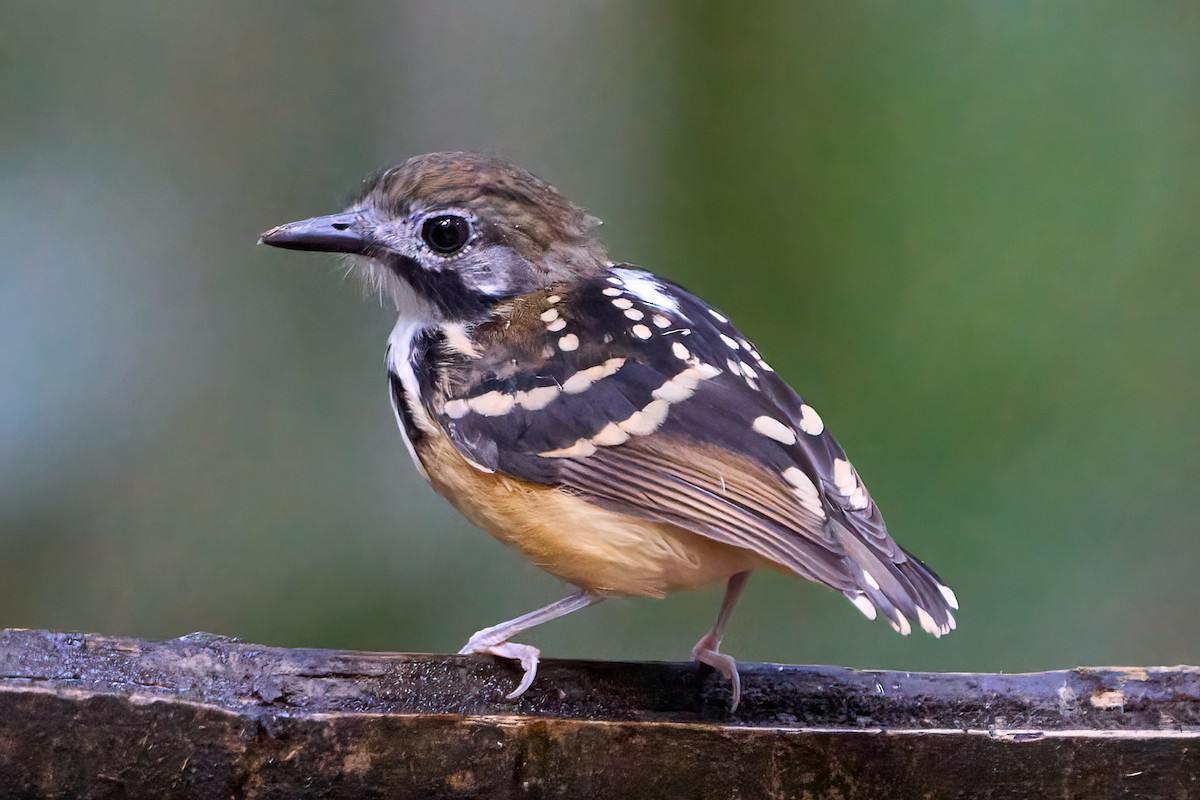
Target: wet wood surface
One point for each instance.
(203, 716)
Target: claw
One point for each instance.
(526, 654)
(706, 652)
(494, 640)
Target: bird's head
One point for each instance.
(450, 235)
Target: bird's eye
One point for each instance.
(446, 234)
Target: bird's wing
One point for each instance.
(637, 396)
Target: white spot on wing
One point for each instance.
(774, 429)
(927, 623)
(584, 378)
(805, 490)
(456, 409)
(553, 298)
(640, 423)
(611, 366)
(680, 351)
(641, 331)
(661, 322)
(949, 596)
(810, 421)
(843, 476)
(848, 486)
(581, 449)
(864, 605)
(674, 392)
(634, 314)
(579, 382)
(623, 302)
(550, 315)
(568, 343)
(610, 435)
(646, 421)
(718, 316)
(729, 340)
(870, 581)
(612, 291)
(492, 404)
(645, 287)
(681, 386)
(537, 399)
(557, 325)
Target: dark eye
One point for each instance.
(446, 234)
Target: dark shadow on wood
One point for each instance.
(206, 716)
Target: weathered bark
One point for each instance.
(205, 716)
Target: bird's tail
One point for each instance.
(900, 587)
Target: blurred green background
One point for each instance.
(967, 232)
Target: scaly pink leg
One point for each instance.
(708, 649)
(494, 640)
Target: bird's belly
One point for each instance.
(586, 545)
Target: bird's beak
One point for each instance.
(336, 233)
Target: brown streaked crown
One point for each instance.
(496, 190)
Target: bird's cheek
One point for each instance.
(500, 272)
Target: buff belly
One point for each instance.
(583, 544)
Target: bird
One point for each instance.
(617, 429)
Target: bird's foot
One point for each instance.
(707, 651)
(526, 654)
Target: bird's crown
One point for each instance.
(489, 186)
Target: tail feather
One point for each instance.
(903, 589)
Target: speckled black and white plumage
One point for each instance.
(612, 388)
(615, 427)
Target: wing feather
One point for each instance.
(681, 422)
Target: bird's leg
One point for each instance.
(494, 640)
(708, 649)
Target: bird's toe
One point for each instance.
(526, 654)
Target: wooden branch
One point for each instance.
(205, 716)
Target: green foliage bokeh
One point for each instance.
(966, 232)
